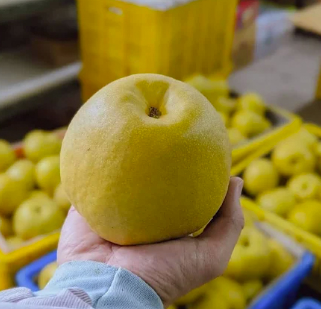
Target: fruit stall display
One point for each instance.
(250, 122)
(283, 187)
(243, 286)
(266, 267)
(33, 205)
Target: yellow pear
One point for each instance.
(251, 102)
(38, 194)
(279, 200)
(303, 136)
(12, 193)
(192, 296)
(61, 198)
(39, 144)
(211, 300)
(305, 186)
(307, 216)
(249, 219)
(7, 155)
(293, 158)
(231, 291)
(23, 171)
(235, 136)
(5, 227)
(48, 173)
(141, 156)
(225, 105)
(250, 123)
(252, 288)
(260, 176)
(36, 217)
(46, 274)
(211, 89)
(251, 257)
(281, 260)
(224, 118)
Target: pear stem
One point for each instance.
(154, 112)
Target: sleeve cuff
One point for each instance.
(105, 285)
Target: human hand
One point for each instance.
(171, 268)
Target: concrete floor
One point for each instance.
(286, 78)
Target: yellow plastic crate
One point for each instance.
(88, 88)
(119, 38)
(14, 260)
(308, 240)
(284, 124)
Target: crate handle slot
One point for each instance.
(115, 10)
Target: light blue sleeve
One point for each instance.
(107, 287)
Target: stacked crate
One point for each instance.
(177, 38)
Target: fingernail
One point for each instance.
(239, 186)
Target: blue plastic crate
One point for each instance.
(281, 294)
(307, 303)
(26, 276)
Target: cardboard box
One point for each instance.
(247, 13)
(244, 46)
(245, 33)
(309, 19)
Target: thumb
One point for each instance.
(230, 213)
(75, 235)
(221, 235)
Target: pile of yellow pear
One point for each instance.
(256, 261)
(32, 201)
(288, 181)
(244, 117)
